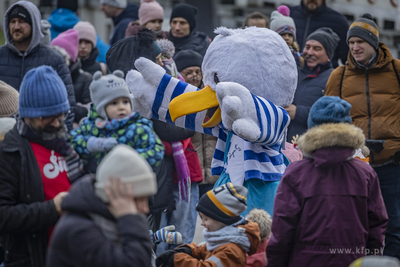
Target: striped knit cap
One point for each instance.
(366, 29)
(224, 203)
(8, 100)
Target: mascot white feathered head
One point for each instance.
(257, 58)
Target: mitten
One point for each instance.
(165, 258)
(164, 235)
(96, 144)
(184, 249)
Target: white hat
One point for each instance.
(125, 163)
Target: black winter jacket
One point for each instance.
(15, 64)
(310, 87)
(307, 23)
(79, 241)
(90, 64)
(196, 41)
(25, 217)
(162, 201)
(81, 80)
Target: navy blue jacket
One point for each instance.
(121, 22)
(310, 87)
(307, 23)
(15, 64)
(79, 241)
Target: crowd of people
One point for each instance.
(88, 180)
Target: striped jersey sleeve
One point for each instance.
(273, 121)
(168, 89)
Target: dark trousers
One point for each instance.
(389, 178)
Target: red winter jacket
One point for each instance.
(196, 175)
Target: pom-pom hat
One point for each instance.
(281, 22)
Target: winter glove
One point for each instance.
(166, 259)
(96, 144)
(184, 249)
(165, 235)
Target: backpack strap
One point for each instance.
(341, 81)
(395, 71)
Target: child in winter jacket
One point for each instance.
(111, 122)
(282, 23)
(264, 221)
(228, 236)
(328, 209)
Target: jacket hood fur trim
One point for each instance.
(330, 135)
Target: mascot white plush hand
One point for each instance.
(250, 74)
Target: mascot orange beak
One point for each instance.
(197, 101)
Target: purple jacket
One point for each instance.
(328, 208)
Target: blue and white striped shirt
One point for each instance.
(245, 160)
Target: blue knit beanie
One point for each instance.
(329, 109)
(42, 94)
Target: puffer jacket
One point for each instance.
(226, 254)
(15, 64)
(204, 145)
(328, 208)
(133, 130)
(374, 94)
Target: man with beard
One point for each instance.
(311, 15)
(23, 50)
(37, 166)
(318, 53)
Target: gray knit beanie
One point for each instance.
(104, 89)
(366, 29)
(328, 38)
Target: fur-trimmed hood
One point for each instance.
(331, 135)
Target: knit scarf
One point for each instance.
(182, 170)
(60, 145)
(228, 234)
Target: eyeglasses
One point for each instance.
(60, 117)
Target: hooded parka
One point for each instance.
(328, 209)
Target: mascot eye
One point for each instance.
(216, 80)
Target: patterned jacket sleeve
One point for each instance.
(146, 142)
(79, 137)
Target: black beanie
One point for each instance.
(20, 13)
(69, 4)
(328, 38)
(187, 58)
(366, 29)
(187, 12)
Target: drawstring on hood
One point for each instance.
(36, 32)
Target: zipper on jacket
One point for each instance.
(305, 32)
(22, 70)
(369, 109)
